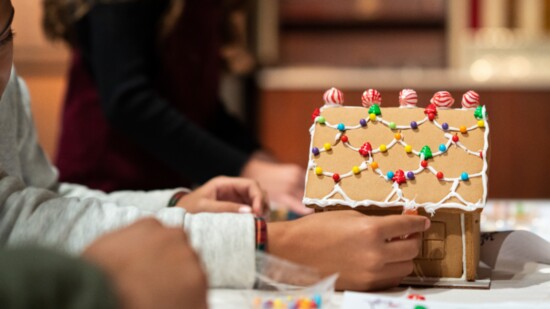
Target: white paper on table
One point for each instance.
(510, 250)
(354, 300)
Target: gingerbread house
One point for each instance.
(388, 160)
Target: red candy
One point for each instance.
(424, 163)
(344, 139)
(365, 149)
(416, 297)
(431, 111)
(455, 138)
(439, 175)
(399, 177)
(336, 177)
(315, 114)
(470, 99)
(370, 97)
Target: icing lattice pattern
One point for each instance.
(394, 179)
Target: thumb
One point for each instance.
(224, 206)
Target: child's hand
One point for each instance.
(368, 252)
(151, 266)
(226, 194)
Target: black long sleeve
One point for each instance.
(119, 41)
(40, 278)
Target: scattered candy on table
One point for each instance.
(288, 302)
(416, 297)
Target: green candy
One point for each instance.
(375, 109)
(392, 125)
(479, 112)
(320, 119)
(427, 152)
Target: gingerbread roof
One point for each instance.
(432, 157)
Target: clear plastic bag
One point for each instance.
(281, 284)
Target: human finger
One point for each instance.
(400, 250)
(294, 204)
(399, 225)
(223, 206)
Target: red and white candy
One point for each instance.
(442, 99)
(470, 99)
(370, 97)
(333, 96)
(408, 98)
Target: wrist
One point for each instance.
(176, 197)
(278, 237)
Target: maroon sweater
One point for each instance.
(144, 113)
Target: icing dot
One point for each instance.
(455, 138)
(318, 171)
(408, 149)
(344, 139)
(397, 136)
(327, 146)
(320, 120)
(481, 123)
(335, 177)
(356, 170)
(414, 125)
(390, 175)
(464, 176)
(463, 129)
(383, 148)
(439, 175)
(372, 117)
(424, 163)
(315, 151)
(410, 175)
(442, 147)
(392, 125)
(374, 165)
(363, 122)
(445, 126)
(341, 127)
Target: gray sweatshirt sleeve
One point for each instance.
(30, 216)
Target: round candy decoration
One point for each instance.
(464, 176)
(333, 97)
(366, 149)
(399, 177)
(374, 165)
(414, 125)
(341, 127)
(392, 125)
(442, 99)
(408, 98)
(318, 171)
(315, 151)
(336, 177)
(356, 170)
(390, 175)
(470, 99)
(442, 148)
(463, 129)
(320, 120)
(408, 149)
(370, 97)
(363, 122)
(327, 146)
(455, 138)
(439, 175)
(344, 139)
(410, 175)
(445, 126)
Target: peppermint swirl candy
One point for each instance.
(442, 99)
(408, 97)
(333, 96)
(470, 99)
(370, 97)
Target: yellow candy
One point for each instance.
(277, 304)
(397, 136)
(481, 123)
(372, 117)
(374, 165)
(318, 171)
(383, 148)
(463, 129)
(356, 170)
(408, 149)
(327, 146)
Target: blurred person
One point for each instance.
(142, 110)
(36, 209)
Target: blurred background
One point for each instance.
(500, 48)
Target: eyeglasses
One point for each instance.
(10, 20)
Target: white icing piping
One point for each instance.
(463, 229)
